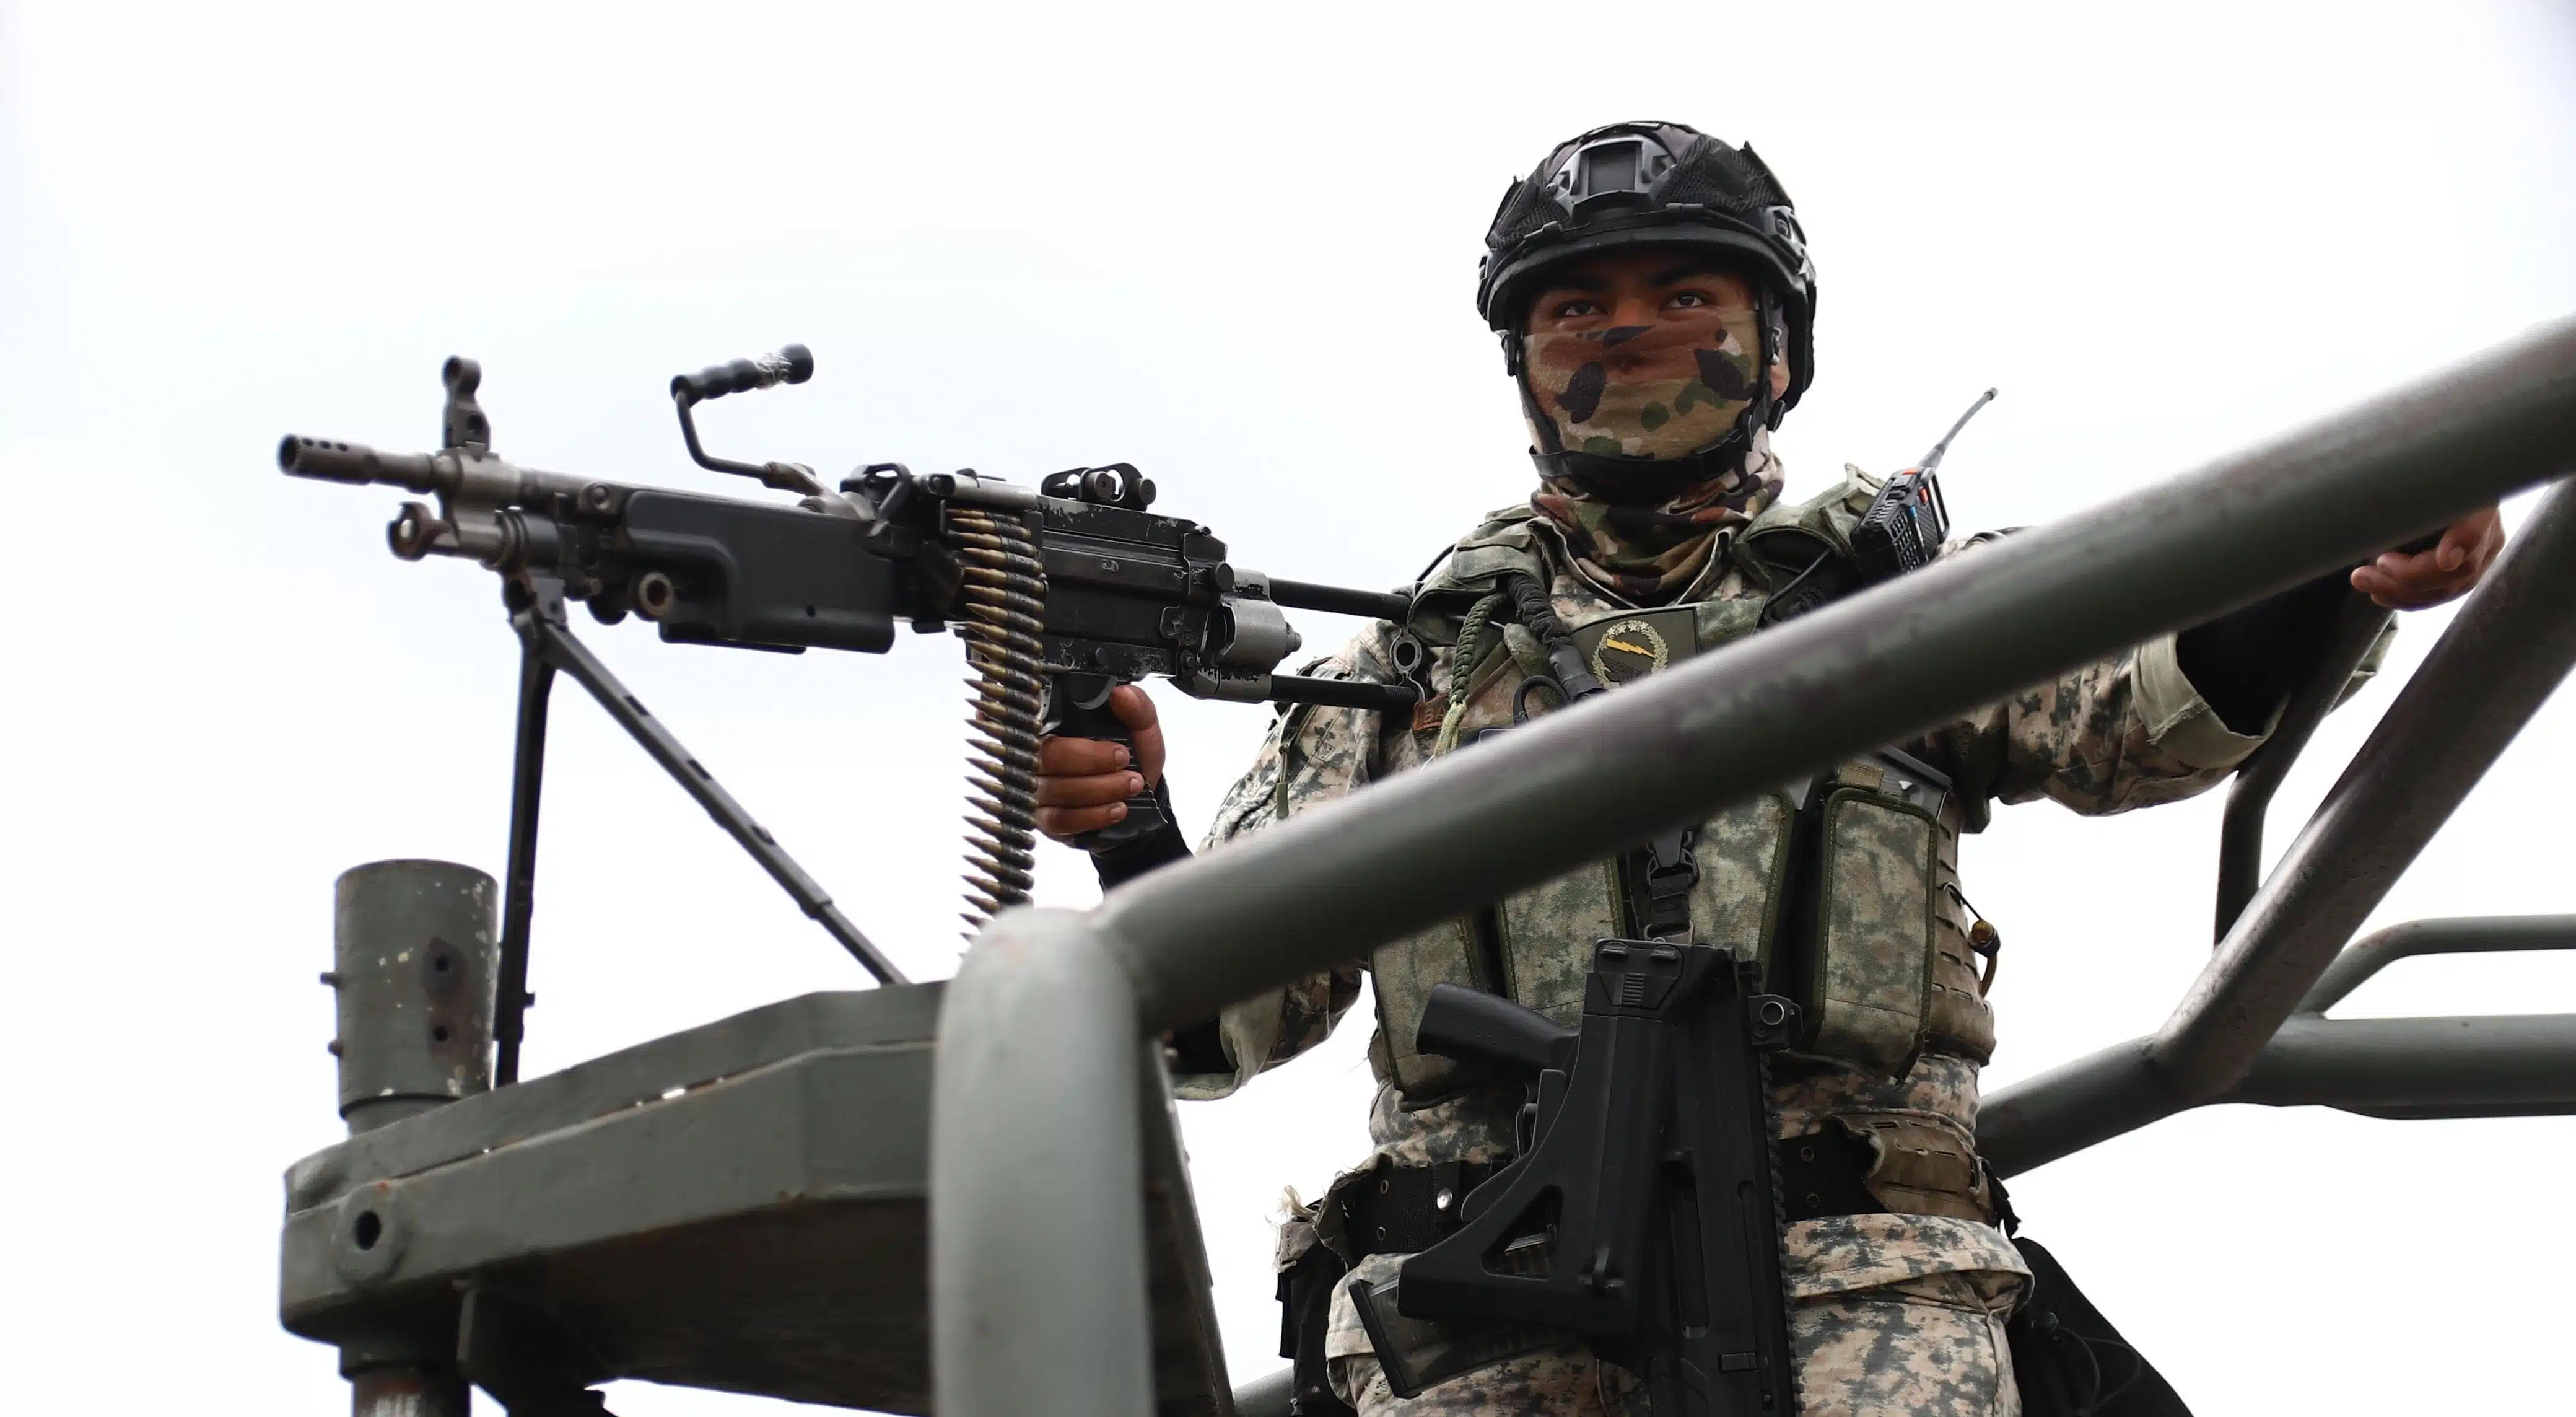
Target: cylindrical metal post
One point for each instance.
(408, 1390)
(416, 954)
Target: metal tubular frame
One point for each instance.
(2500, 660)
(1026, 1070)
(2483, 1065)
(2249, 797)
(2509, 647)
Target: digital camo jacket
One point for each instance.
(2127, 732)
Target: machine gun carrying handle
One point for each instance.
(1078, 707)
(791, 365)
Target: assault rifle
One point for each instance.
(1060, 592)
(1643, 1209)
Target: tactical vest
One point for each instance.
(1862, 922)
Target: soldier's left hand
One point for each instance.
(2447, 572)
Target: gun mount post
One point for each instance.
(413, 955)
(414, 961)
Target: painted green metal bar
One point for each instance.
(1037, 1254)
(2456, 935)
(2506, 1065)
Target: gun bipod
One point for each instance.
(547, 644)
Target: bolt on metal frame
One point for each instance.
(1037, 1234)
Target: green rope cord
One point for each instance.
(1471, 652)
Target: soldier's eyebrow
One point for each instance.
(1681, 273)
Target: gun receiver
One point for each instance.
(1642, 1211)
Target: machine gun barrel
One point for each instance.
(468, 473)
(1334, 600)
(355, 463)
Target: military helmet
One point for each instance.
(1663, 184)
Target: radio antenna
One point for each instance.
(1932, 459)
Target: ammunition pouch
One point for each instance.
(1861, 959)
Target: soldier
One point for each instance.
(1655, 302)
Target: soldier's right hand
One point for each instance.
(1084, 783)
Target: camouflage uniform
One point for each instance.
(1899, 1312)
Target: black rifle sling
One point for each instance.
(1659, 876)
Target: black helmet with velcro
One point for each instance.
(1653, 184)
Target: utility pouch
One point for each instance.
(2069, 1361)
(1742, 857)
(1866, 986)
(1404, 974)
(1305, 1315)
(1541, 930)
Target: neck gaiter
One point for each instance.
(1650, 549)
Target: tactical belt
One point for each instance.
(1826, 1173)
(1403, 1210)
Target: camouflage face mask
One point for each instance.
(1644, 391)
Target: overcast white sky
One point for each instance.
(1234, 246)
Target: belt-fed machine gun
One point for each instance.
(1643, 1209)
(1060, 593)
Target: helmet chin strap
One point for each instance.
(1651, 480)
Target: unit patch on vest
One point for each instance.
(1628, 650)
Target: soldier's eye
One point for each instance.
(1687, 300)
(1576, 309)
